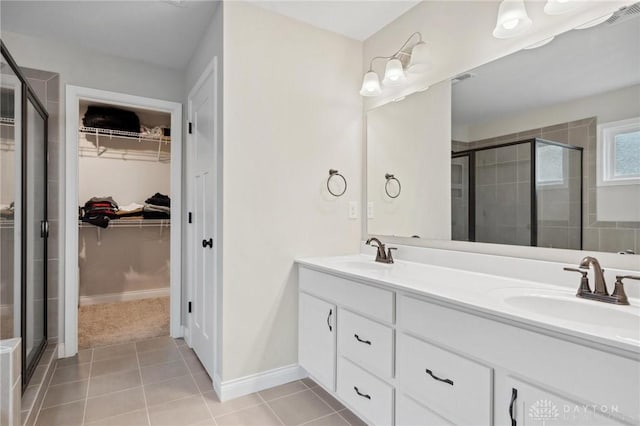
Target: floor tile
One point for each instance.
(309, 382)
(218, 408)
(195, 367)
(159, 372)
(169, 390)
(351, 418)
(185, 412)
(65, 393)
(260, 415)
(167, 354)
(113, 404)
(134, 418)
(203, 381)
(114, 365)
(154, 344)
(70, 374)
(180, 341)
(282, 390)
(82, 357)
(300, 408)
(326, 397)
(62, 415)
(330, 420)
(109, 383)
(101, 353)
(29, 397)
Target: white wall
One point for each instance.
(291, 112)
(401, 136)
(83, 67)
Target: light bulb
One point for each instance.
(512, 19)
(511, 24)
(370, 84)
(394, 73)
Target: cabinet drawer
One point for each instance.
(453, 386)
(366, 343)
(410, 413)
(369, 396)
(369, 300)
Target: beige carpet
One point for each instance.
(122, 322)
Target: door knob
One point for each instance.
(208, 242)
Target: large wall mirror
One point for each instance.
(545, 148)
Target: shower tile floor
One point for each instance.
(160, 382)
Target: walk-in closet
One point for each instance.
(124, 221)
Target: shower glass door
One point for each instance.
(36, 227)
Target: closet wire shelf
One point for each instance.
(7, 144)
(104, 152)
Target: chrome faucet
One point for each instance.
(381, 255)
(600, 293)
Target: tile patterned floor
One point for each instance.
(160, 382)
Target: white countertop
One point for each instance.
(501, 297)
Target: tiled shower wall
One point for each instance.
(597, 235)
(47, 88)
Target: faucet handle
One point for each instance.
(584, 281)
(389, 256)
(618, 291)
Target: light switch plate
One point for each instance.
(353, 209)
(370, 210)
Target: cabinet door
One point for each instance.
(529, 405)
(317, 340)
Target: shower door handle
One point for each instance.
(44, 229)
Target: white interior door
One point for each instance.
(202, 182)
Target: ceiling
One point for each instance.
(355, 19)
(574, 65)
(166, 32)
(159, 32)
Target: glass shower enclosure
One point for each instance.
(23, 214)
(520, 193)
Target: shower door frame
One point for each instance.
(27, 94)
(470, 153)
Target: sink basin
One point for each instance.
(623, 321)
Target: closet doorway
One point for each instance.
(123, 218)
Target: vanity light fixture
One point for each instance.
(558, 7)
(512, 19)
(416, 61)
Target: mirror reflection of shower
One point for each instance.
(521, 193)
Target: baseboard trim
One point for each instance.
(125, 296)
(256, 382)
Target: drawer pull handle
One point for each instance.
(514, 396)
(329, 319)
(366, 342)
(364, 395)
(447, 381)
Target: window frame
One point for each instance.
(605, 157)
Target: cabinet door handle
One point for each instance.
(433, 376)
(366, 342)
(329, 319)
(208, 242)
(514, 396)
(364, 395)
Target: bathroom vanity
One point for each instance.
(416, 344)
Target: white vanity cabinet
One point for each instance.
(396, 356)
(317, 339)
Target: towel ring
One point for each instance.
(334, 173)
(389, 177)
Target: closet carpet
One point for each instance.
(121, 322)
